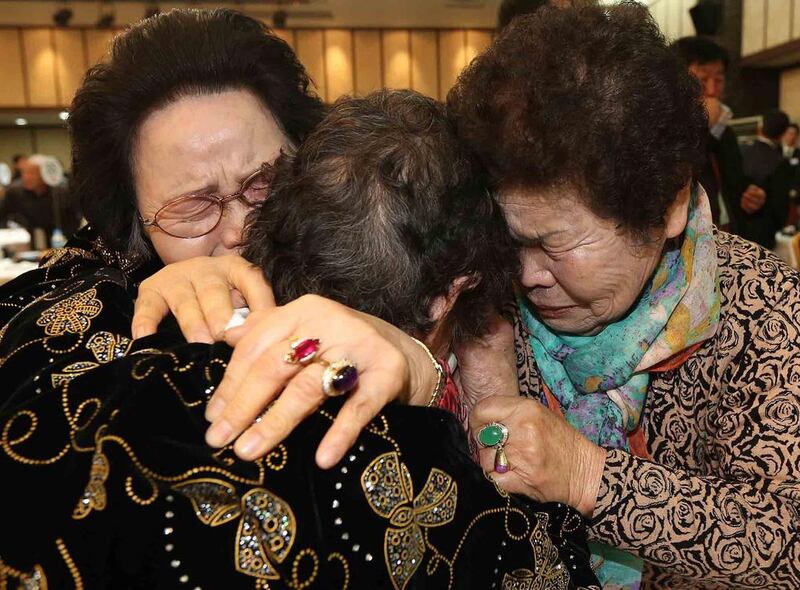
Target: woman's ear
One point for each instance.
(443, 304)
(678, 213)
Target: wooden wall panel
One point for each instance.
(452, 59)
(476, 43)
(98, 45)
(396, 59)
(310, 49)
(796, 19)
(753, 23)
(43, 67)
(339, 63)
(779, 21)
(425, 63)
(71, 64)
(285, 34)
(367, 61)
(40, 67)
(790, 93)
(12, 74)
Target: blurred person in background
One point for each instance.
(792, 154)
(789, 141)
(722, 175)
(17, 161)
(37, 206)
(765, 166)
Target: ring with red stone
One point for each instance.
(339, 378)
(303, 351)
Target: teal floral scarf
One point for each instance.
(601, 381)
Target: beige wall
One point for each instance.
(769, 23)
(672, 17)
(50, 141)
(790, 93)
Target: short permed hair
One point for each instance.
(382, 210)
(155, 62)
(588, 98)
(700, 50)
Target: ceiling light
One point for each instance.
(62, 17)
(21, 121)
(63, 115)
(279, 18)
(106, 21)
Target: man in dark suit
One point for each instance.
(36, 205)
(732, 199)
(765, 166)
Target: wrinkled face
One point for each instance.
(790, 137)
(202, 145)
(580, 272)
(31, 176)
(711, 77)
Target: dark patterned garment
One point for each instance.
(717, 504)
(107, 481)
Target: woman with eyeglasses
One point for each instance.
(173, 143)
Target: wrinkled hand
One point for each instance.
(753, 199)
(488, 366)
(224, 282)
(390, 365)
(550, 461)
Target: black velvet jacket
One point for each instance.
(107, 482)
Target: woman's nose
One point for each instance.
(232, 225)
(534, 272)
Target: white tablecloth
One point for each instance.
(11, 270)
(14, 236)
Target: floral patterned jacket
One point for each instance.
(717, 503)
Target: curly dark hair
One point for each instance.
(165, 57)
(588, 98)
(382, 210)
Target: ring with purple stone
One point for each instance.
(500, 460)
(303, 351)
(339, 378)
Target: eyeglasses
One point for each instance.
(193, 216)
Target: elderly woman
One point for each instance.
(668, 348)
(143, 502)
(173, 140)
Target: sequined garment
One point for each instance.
(109, 483)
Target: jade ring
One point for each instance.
(492, 435)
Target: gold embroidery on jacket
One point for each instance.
(105, 347)
(33, 580)
(94, 496)
(387, 485)
(267, 526)
(73, 315)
